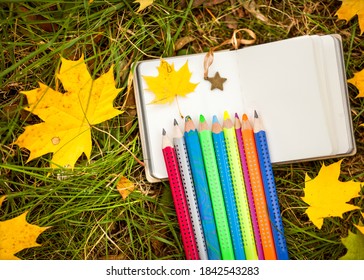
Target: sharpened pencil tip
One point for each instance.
(187, 118)
(236, 115)
(226, 115)
(175, 122)
(255, 114)
(214, 119)
(245, 117)
(202, 118)
(164, 132)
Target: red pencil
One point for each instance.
(179, 199)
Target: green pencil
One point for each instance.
(242, 205)
(214, 184)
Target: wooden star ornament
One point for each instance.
(216, 81)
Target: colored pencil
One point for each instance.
(227, 188)
(179, 199)
(270, 189)
(239, 188)
(258, 190)
(202, 191)
(189, 188)
(214, 184)
(249, 191)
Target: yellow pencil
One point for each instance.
(239, 189)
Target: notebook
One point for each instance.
(298, 85)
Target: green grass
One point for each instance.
(88, 217)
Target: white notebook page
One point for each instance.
(280, 80)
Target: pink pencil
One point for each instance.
(248, 187)
(179, 199)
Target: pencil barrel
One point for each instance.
(271, 195)
(228, 192)
(249, 192)
(203, 195)
(259, 195)
(240, 195)
(179, 200)
(217, 198)
(186, 176)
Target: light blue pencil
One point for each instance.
(202, 190)
(228, 189)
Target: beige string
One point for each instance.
(236, 40)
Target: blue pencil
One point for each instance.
(227, 188)
(202, 191)
(270, 189)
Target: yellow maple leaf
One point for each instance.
(350, 8)
(2, 198)
(354, 244)
(327, 196)
(360, 227)
(17, 234)
(68, 117)
(170, 83)
(143, 4)
(358, 82)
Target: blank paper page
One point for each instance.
(281, 81)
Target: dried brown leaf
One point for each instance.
(181, 42)
(125, 187)
(252, 8)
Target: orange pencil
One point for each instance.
(257, 186)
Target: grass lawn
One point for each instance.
(88, 217)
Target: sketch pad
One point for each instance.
(298, 85)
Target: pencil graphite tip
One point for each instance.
(226, 115)
(255, 114)
(245, 117)
(202, 118)
(236, 115)
(175, 122)
(164, 132)
(187, 118)
(214, 119)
